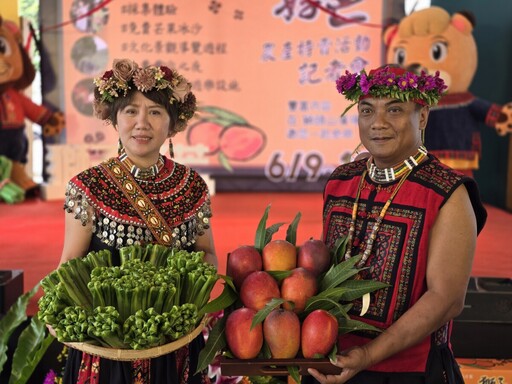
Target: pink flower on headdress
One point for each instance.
(144, 79)
(181, 90)
(124, 69)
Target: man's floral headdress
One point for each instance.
(391, 82)
(126, 74)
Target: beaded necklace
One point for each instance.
(380, 176)
(142, 173)
(376, 225)
(387, 175)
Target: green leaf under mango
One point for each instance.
(339, 273)
(270, 231)
(293, 371)
(351, 325)
(291, 233)
(260, 240)
(263, 313)
(315, 302)
(357, 288)
(339, 249)
(215, 343)
(227, 297)
(279, 276)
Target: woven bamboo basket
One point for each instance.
(138, 354)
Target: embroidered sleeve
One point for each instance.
(77, 202)
(203, 217)
(202, 196)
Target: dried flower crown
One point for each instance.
(391, 82)
(126, 74)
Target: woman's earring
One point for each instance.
(120, 148)
(171, 149)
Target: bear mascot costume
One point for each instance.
(17, 73)
(432, 40)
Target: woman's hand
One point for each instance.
(352, 361)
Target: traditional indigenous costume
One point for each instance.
(181, 197)
(397, 254)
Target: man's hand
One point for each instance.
(352, 361)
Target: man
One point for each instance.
(415, 221)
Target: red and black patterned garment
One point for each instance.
(399, 254)
(181, 196)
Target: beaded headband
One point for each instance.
(391, 82)
(126, 74)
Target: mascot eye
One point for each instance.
(439, 51)
(399, 56)
(5, 47)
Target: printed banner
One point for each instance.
(263, 72)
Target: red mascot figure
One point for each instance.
(17, 73)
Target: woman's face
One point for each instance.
(390, 129)
(143, 127)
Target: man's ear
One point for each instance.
(424, 112)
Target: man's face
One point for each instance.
(390, 129)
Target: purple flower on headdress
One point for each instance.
(346, 82)
(408, 80)
(383, 77)
(364, 84)
(440, 85)
(427, 84)
(388, 79)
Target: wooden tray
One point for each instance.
(274, 367)
(138, 354)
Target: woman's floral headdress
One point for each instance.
(391, 82)
(126, 74)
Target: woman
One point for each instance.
(414, 221)
(103, 204)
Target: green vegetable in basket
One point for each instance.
(74, 276)
(103, 325)
(180, 321)
(72, 324)
(144, 329)
(153, 297)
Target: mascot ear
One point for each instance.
(463, 22)
(29, 71)
(389, 33)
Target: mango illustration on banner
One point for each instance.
(227, 135)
